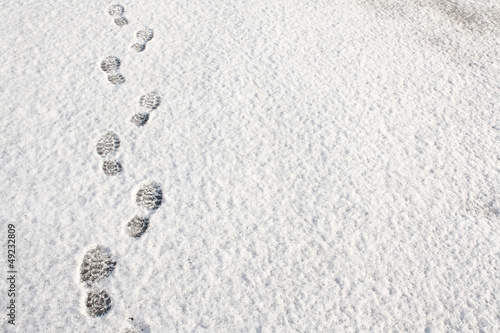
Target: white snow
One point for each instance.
(326, 166)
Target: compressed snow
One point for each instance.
(324, 165)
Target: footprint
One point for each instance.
(108, 144)
(97, 264)
(150, 101)
(137, 226)
(149, 196)
(98, 303)
(116, 78)
(106, 147)
(117, 11)
(111, 168)
(138, 47)
(140, 119)
(143, 36)
(111, 65)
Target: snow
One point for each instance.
(325, 165)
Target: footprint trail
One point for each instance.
(98, 263)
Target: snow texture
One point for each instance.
(325, 166)
(134, 327)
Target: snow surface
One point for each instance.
(327, 166)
